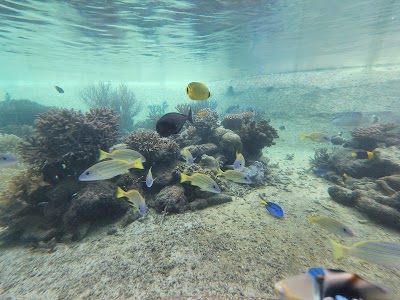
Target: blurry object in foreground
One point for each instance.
(381, 253)
(197, 91)
(353, 119)
(135, 199)
(109, 168)
(331, 225)
(121, 99)
(7, 160)
(58, 89)
(128, 155)
(319, 283)
(204, 182)
(316, 136)
(172, 123)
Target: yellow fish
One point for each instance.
(316, 136)
(202, 113)
(135, 198)
(204, 182)
(197, 91)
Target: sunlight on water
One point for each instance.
(170, 40)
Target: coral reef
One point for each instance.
(18, 113)
(368, 138)
(121, 100)
(390, 184)
(9, 143)
(205, 121)
(69, 138)
(183, 108)
(171, 199)
(153, 147)
(237, 121)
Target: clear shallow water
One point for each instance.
(174, 40)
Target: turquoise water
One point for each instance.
(298, 64)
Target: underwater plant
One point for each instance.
(184, 108)
(320, 159)
(121, 100)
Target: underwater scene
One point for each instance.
(216, 149)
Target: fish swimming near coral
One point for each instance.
(239, 163)
(363, 155)
(320, 172)
(187, 155)
(172, 123)
(316, 136)
(321, 284)
(7, 160)
(331, 225)
(203, 181)
(202, 113)
(122, 154)
(109, 168)
(353, 119)
(197, 91)
(135, 199)
(377, 252)
(235, 176)
(149, 178)
(58, 89)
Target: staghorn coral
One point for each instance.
(183, 108)
(121, 100)
(153, 147)
(69, 138)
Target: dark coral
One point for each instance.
(205, 121)
(153, 147)
(237, 121)
(69, 141)
(255, 136)
(320, 159)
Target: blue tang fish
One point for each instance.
(274, 209)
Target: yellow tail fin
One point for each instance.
(103, 155)
(311, 219)
(137, 164)
(354, 154)
(337, 249)
(303, 136)
(184, 177)
(120, 192)
(220, 172)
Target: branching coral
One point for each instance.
(152, 146)
(122, 100)
(70, 138)
(320, 159)
(205, 121)
(183, 108)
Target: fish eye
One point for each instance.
(4, 158)
(344, 230)
(87, 173)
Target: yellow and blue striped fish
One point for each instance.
(235, 176)
(381, 253)
(109, 169)
(135, 199)
(331, 225)
(128, 155)
(204, 182)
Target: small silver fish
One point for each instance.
(7, 160)
(149, 178)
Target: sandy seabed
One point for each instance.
(232, 250)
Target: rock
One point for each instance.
(219, 132)
(256, 172)
(230, 143)
(112, 231)
(172, 198)
(92, 204)
(199, 150)
(209, 162)
(213, 200)
(343, 195)
(391, 184)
